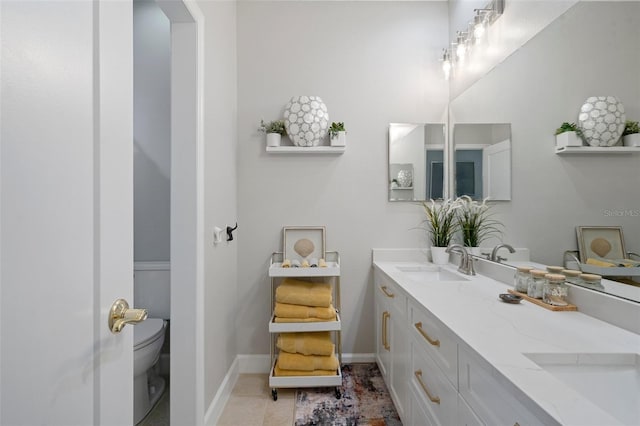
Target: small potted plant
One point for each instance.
(274, 130)
(631, 134)
(441, 225)
(476, 223)
(568, 134)
(337, 134)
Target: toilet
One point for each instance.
(152, 291)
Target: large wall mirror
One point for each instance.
(416, 161)
(539, 84)
(482, 160)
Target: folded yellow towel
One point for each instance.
(280, 372)
(300, 362)
(600, 263)
(278, 319)
(306, 343)
(298, 292)
(285, 310)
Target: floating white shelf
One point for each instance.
(402, 187)
(331, 150)
(569, 150)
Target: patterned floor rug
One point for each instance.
(365, 401)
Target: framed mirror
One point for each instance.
(482, 160)
(417, 166)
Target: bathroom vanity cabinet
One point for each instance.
(434, 378)
(392, 342)
(331, 274)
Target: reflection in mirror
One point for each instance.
(416, 166)
(482, 161)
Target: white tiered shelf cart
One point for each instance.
(330, 272)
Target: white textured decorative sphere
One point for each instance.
(405, 178)
(306, 120)
(601, 120)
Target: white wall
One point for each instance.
(151, 133)
(590, 50)
(220, 107)
(373, 63)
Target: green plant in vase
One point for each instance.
(631, 128)
(568, 127)
(475, 221)
(274, 130)
(441, 221)
(631, 134)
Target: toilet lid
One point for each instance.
(147, 331)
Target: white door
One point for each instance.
(497, 171)
(65, 211)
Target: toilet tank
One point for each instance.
(152, 288)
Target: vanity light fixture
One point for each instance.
(476, 30)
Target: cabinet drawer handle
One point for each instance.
(434, 399)
(385, 340)
(386, 293)
(435, 342)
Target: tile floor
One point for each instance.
(250, 404)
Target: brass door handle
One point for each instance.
(386, 293)
(433, 399)
(434, 342)
(120, 315)
(385, 340)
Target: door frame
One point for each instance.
(187, 210)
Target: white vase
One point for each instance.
(568, 139)
(273, 139)
(631, 140)
(306, 120)
(339, 139)
(439, 256)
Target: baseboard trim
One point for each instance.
(261, 364)
(216, 407)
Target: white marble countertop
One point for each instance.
(502, 333)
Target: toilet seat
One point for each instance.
(146, 332)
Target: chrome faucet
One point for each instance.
(466, 260)
(494, 253)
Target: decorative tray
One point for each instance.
(539, 302)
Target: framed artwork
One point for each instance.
(303, 242)
(600, 242)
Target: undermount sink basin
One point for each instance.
(610, 381)
(427, 273)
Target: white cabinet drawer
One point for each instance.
(435, 394)
(490, 396)
(436, 340)
(390, 291)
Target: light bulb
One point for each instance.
(446, 68)
(479, 30)
(461, 51)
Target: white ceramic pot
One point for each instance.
(631, 140)
(339, 140)
(439, 256)
(273, 139)
(568, 139)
